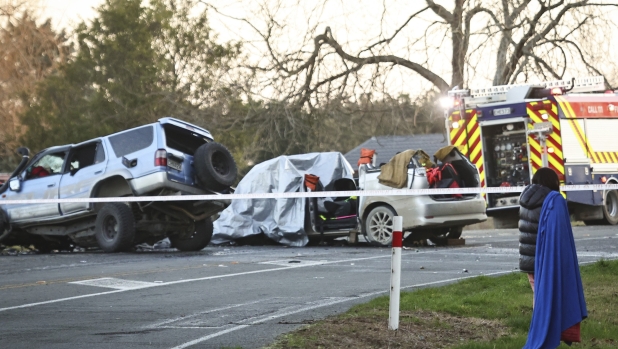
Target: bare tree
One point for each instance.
(502, 41)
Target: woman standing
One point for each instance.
(531, 202)
(558, 305)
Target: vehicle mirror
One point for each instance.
(15, 184)
(74, 171)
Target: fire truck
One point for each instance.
(511, 131)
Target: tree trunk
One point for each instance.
(458, 59)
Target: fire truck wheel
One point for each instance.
(378, 226)
(452, 233)
(610, 209)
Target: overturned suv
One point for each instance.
(167, 158)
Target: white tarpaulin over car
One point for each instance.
(282, 220)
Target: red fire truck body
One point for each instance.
(511, 131)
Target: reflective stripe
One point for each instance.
(476, 146)
(579, 132)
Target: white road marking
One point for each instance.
(186, 281)
(60, 300)
(406, 253)
(163, 324)
(119, 284)
(296, 262)
(293, 266)
(516, 239)
(315, 305)
(599, 238)
(597, 254)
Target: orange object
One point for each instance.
(572, 334)
(311, 181)
(366, 155)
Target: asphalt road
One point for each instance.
(228, 297)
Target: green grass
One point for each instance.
(506, 299)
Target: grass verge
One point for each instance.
(478, 313)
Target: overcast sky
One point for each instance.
(353, 23)
(64, 13)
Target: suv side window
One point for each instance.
(86, 155)
(132, 141)
(99, 157)
(48, 165)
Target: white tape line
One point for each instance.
(319, 194)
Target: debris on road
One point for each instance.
(16, 250)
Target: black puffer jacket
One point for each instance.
(531, 202)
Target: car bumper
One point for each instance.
(159, 180)
(428, 212)
(423, 211)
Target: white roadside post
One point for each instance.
(393, 313)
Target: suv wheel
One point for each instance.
(451, 233)
(115, 227)
(610, 209)
(378, 226)
(4, 222)
(215, 167)
(200, 238)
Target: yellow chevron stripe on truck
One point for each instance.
(467, 138)
(543, 112)
(595, 157)
(475, 145)
(458, 134)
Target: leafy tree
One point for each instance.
(283, 128)
(29, 51)
(133, 64)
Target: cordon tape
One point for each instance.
(295, 195)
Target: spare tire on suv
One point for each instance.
(215, 167)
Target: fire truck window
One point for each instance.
(539, 93)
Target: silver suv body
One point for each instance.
(168, 157)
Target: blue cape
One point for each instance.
(558, 293)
